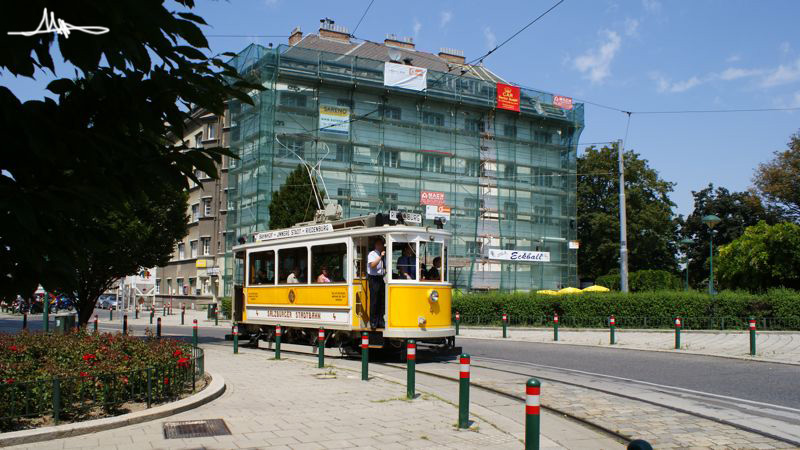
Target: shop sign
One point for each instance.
(519, 255)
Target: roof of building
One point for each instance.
(380, 52)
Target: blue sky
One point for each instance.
(637, 55)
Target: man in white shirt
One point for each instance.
(376, 269)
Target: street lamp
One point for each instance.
(711, 220)
(686, 242)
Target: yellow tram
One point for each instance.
(315, 275)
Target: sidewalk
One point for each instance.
(772, 346)
(292, 404)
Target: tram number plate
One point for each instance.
(407, 216)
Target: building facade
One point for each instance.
(508, 177)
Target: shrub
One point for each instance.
(642, 280)
(225, 305)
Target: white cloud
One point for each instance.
(785, 47)
(596, 63)
(652, 6)
(664, 84)
(733, 59)
(734, 73)
(783, 74)
(491, 39)
(417, 27)
(631, 27)
(446, 17)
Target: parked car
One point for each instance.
(107, 301)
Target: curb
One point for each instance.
(618, 347)
(637, 330)
(211, 392)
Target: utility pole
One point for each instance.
(623, 226)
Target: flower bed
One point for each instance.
(48, 378)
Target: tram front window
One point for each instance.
(405, 261)
(262, 268)
(432, 261)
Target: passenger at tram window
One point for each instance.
(262, 277)
(407, 264)
(324, 277)
(433, 273)
(293, 277)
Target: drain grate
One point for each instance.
(195, 428)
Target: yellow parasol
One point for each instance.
(547, 292)
(596, 288)
(570, 290)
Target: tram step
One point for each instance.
(376, 339)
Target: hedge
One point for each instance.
(778, 308)
(643, 280)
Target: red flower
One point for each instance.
(177, 353)
(9, 380)
(13, 348)
(183, 362)
(166, 380)
(83, 374)
(89, 357)
(124, 379)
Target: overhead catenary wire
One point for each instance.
(362, 16)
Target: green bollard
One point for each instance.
(505, 325)
(463, 392)
(194, 333)
(158, 328)
(152, 313)
(321, 348)
(677, 333)
(277, 342)
(411, 362)
(235, 339)
(110, 314)
(612, 323)
(183, 313)
(164, 310)
(532, 419)
(555, 327)
(125, 324)
(96, 320)
(216, 317)
(752, 336)
(24, 321)
(364, 356)
(458, 320)
(136, 313)
(46, 313)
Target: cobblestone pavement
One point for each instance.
(774, 346)
(293, 404)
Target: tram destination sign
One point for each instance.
(407, 216)
(518, 255)
(292, 232)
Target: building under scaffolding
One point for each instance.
(508, 177)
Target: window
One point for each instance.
(206, 244)
(211, 131)
(158, 286)
(205, 286)
(390, 158)
(293, 265)
(509, 130)
(179, 282)
(198, 140)
(473, 125)
(542, 137)
(510, 210)
(510, 171)
(344, 152)
(207, 212)
(169, 286)
(344, 102)
(193, 249)
(195, 212)
(389, 200)
(472, 168)
(404, 261)
(344, 197)
(287, 146)
(181, 250)
(192, 287)
(473, 203)
(262, 268)
(473, 248)
(200, 175)
(294, 99)
(329, 263)
(433, 163)
(431, 118)
(391, 112)
(430, 258)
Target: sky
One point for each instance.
(634, 55)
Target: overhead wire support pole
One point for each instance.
(623, 219)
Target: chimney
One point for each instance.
(452, 55)
(393, 41)
(330, 30)
(296, 36)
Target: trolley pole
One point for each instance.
(463, 392)
(236, 339)
(96, 319)
(411, 361)
(505, 325)
(532, 419)
(124, 324)
(752, 336)
(612, 323)
(321, 348)
(555, 327)
(364, 356)
(194, 333)
(277, 342)
(158, 328)
(677, 333)
(458, 319)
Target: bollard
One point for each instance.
(125, 324)
(463, 392)
(216, 317)
(236, 339)
(194, 333)
(505, 324)
(555, 327)
(183, 313)
(164, 309)
(24, 321)
(612, 324)
(96, 319)
(158, 327)
(752, 336)
(136, 312)
(677, 333)
(532, 419)
(110, 314)
(411, 362)
(45, 313)
(277, 342)
(458, 319)
(152, 313)
(364, 356)
(321, 348)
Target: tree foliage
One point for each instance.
(764, 257)
(651, 228)
(104, 139)
(778, 181)
(294, 202)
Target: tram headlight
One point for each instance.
(434, 296)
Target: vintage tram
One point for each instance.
(314, 275)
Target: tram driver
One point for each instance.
(376, 269)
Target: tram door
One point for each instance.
(238, 286)
(360, 284)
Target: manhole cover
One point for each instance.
(195, 428)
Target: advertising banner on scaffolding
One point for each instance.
(518, 255)
(507, 97)
(562, 102)
(334, 119)
(433, 212)
(431, 198)
(406, 77)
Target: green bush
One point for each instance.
(225, 305)
(642, 280)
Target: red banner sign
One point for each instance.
(431, 198)
(507, 97)
(562, 102)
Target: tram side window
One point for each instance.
(404, 261)
(262, 268)
(328, 263)
(293, 265)
(431, 261)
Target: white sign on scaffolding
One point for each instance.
(518, 255)
(403, 76)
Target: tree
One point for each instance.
(778, 181)
(105, 138)
(765, 256)
(651, 228)
(738, 210)
(131, 236)
(294, 202)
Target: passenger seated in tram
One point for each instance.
(293, 277)
(324, 277)
(262, 277)
(407, 264)
(433, 274)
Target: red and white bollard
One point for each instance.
(612, 322)
(411, 359)
(532, 420)
(235, 339)
(555, 326)
(505, 325)
(321, 348)
(463, 392)
(277, 342)
(364, 356)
